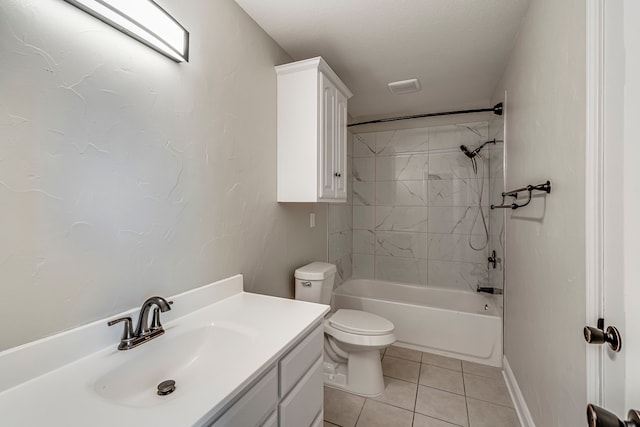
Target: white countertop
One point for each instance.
(66, 395)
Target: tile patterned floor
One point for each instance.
(426, 390)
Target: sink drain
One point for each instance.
(166, 387)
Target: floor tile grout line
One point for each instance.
(439, 419)
(391, 404)
(415, 400)
(446, 391)
(360, 413)
(482, 376)
(466, 401)
(493, 403)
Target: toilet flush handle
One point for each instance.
(306, 284)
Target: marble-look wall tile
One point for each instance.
(391, 218)
(454, 165)
(457, 220)
(416, 197)
(404, 270)
(458, 192)
(497, 227)
(340, 244)
(401, 193)
(402, 244)
(340, 217)
(456, 247)
(364, 169)
(363, 241)
(363, 266)
(364, 217)
(453, 136)
(497, 216)
(464, 276)
(364, 193)
(344, 269)
(364, 145)
(496, 160)
(402, 167)
(402, 141)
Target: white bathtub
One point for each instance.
(452, 323)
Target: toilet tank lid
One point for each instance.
(315, 271)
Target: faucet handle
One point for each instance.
(127, 334)
(155, 320)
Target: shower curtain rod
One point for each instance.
(496, 109)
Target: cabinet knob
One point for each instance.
(337, 174)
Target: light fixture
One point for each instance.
(145, 21)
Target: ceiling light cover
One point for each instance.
(404, 86)
(145, 21)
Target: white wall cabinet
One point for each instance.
(290, 394)
(312, 133)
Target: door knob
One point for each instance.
(600, 417)
(598, 336)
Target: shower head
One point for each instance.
(472, 154)
(469, 154)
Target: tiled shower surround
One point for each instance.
(415, 206)
(496, 187)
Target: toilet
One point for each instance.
(352, 338)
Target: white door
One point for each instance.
(613, 185)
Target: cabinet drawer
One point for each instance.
(272, 421)
(319, 420)
(295, 364)
(254, 406)
(301, 406)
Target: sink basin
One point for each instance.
(191, 358)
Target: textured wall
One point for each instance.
(124, 174)
(415, 199)
(545, 267)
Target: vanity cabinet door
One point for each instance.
(299, 360)
(301, 407)
(254, 406)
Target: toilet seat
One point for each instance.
(360, 322)
(379, 334)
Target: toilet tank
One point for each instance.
(314, 282)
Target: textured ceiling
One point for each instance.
(457, 48)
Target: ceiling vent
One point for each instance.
(404, 86)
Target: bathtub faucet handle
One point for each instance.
(492, 260)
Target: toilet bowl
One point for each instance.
(353, 338)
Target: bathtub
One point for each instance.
(453, 323)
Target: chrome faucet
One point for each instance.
(144, 332)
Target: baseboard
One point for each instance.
(516, 395)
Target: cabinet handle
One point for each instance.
(337, 174)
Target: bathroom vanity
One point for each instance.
(237, 359)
